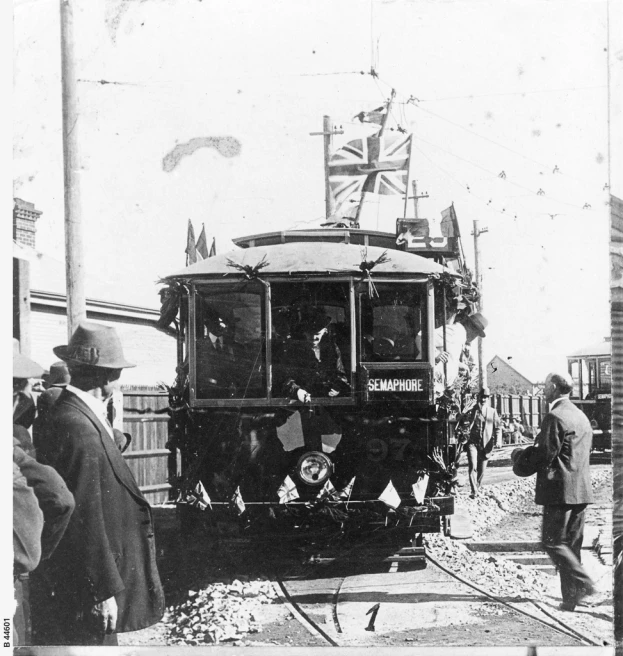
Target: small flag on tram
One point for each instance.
(287, 491)
(348, 490)
(201, 498)
(202, 245)
(419, 488)
(449, 223)
(212, 252)
(237, 501)
(327, 491)
(191, 247)
(390, 497)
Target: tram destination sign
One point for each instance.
(397, 384)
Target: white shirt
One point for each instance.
(98, 407)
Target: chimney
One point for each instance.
(24, 219)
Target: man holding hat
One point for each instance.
(484, 429)
(24, 409)
(103, 574)
(560, 458)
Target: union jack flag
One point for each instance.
(376, 164)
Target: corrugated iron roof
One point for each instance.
(603, 348)
(312, 257)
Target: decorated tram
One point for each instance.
(306, 382)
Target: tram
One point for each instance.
(591, 371)
(307, 384)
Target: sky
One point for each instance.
(507, 102)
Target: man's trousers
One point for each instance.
(562, 535)
(476, 464)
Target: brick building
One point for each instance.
(39, 309)
(503, 378)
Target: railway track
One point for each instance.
(364, 609)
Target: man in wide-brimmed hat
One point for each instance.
(103, 574)
(560, 458)
(484, 430)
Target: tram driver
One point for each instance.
(311, 362)
(216, 371)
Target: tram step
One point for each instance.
(534, 558)
(504, 546)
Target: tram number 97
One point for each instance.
(392, 449)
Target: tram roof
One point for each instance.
(312, 257)
(603, 348)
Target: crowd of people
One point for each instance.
(83, 534)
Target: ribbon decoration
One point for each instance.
(366, 267)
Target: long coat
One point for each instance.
(560, 457)
(108, 549)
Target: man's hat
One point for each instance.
(58, 375)
(479, 323)
(314, 319)
(24, 367)
(485, 391)
(521, 462)
(95, 345)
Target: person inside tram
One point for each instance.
(216, 374)
(311, 362)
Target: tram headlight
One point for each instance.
(314, 468)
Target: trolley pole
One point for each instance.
(327, 133)
(74, 265)
(482, 366)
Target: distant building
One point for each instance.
(40, 308)
(502, 378)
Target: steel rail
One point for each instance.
(566, 630)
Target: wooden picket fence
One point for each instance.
(146, 419)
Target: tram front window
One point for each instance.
(229, 345)
(311, 343)
(393, 324)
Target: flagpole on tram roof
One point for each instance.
(74, 260)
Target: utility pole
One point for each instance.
(482, 366)
(327, 132)
(74, 265)
(416, 198)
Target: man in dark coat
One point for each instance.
(54, 383)
(103, 575)
(56, 503)
(560, 459)
(311, 362)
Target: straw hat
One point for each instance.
(24, 367)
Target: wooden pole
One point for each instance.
(482, 367)
(74, 267)
(327, 130)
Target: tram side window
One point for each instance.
(311, 345)
(229, 348)
(393, 324)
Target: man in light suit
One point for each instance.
(560, 458)
(102, 579)
(484, 433)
